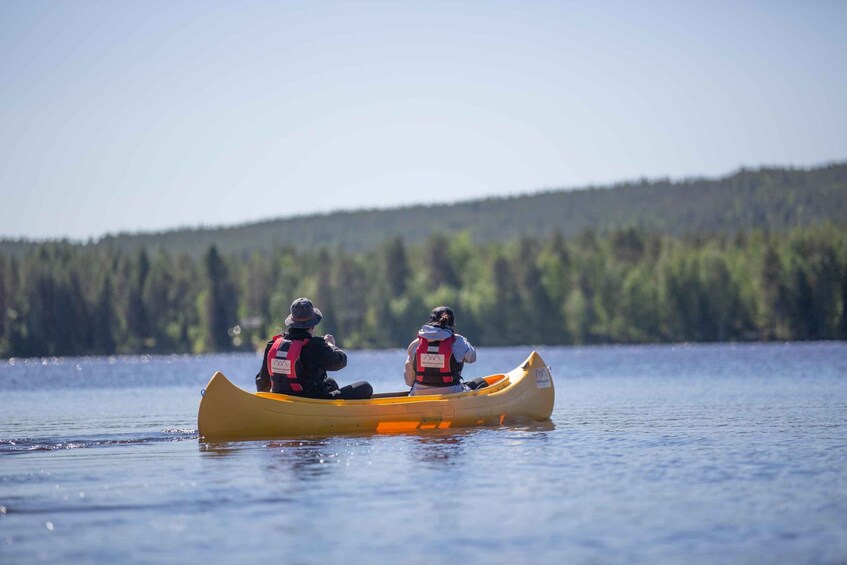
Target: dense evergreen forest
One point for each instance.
(626, 285)
(775, 199)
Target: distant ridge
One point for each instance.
(774, 198)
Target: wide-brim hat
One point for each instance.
(303, 314)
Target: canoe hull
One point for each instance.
(229, 413)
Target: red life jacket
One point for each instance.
(282, 363)
(434, 365)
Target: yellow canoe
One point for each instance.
(229, 413)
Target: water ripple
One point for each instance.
(28, 445)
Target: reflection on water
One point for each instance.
(221, 449)
(306, 458)
(547, 426)
(318, 456)
(654, 455)
(303, 459)
(443, 448)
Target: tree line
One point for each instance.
(777, 199)
(627, 286)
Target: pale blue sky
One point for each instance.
(148, 115)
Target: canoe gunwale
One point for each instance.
(500, 382)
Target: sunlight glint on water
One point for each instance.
(714, 453)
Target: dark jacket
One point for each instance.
(316, 358)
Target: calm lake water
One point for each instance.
(655, 454)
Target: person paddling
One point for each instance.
(437, 356)
(296, 362)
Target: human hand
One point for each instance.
(329, 339)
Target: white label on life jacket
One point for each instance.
(432, 360)
(281, 366)
(543, 378)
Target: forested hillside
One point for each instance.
(759, 255)
(774, 199)
(627, 286)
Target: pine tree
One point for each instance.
(104, 319)
(396, 266)
(221, 303)
(439, 266)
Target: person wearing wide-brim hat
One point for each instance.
(437, 356)
(297, 361)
